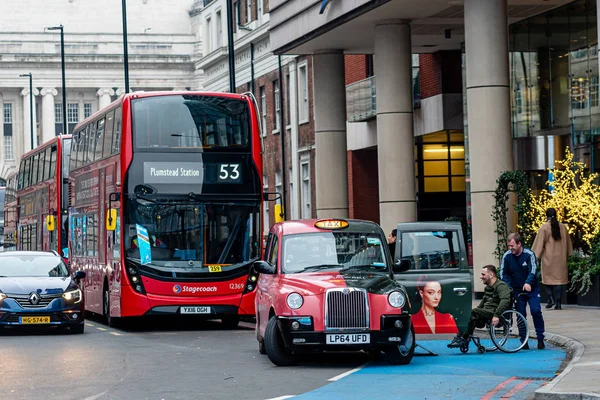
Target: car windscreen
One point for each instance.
(431, 249)
(32, 266)
(333, 250)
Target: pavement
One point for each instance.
(577, 330)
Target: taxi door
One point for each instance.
(439, 282)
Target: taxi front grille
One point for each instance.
(346, 309)
(44, 300)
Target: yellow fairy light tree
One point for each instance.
(576, 198)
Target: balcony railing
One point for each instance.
(361, 100)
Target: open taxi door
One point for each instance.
(439, 281)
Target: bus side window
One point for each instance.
(21, 170)
(81, 150)
(47, 163)
(41, 166)
(108, 134)
(99, 139)
(117, 132)
(34, 168)
(26, 172)
(74, 145)
(53, 162)
(91, 143)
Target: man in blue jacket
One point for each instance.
(518, 270)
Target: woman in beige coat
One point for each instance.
(553, 245)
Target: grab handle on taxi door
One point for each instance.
(460, 290)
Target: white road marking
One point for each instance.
(96, 396)
(340, 376)
(115, 333)
(88, 324)
(281, 398)
(101, 329)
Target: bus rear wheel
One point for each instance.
(110, 321)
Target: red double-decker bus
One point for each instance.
(10, 212)
(165, 209)
(42, 201)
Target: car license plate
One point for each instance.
(34, 320)
(348, 338)
(195, 310)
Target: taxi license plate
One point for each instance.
(348, 338)
(195, 310)
(34, 320)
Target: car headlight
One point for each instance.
(294, 301)
(396, 299)
(2, 296)
(73, 295)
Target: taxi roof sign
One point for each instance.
(331, 224)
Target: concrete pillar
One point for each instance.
(395, 138)
(48, 120)
(488, 105)
(330, 135)
(104, 97)
(26, 121)
(293, 104)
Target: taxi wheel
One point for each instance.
(402, 355)
(275, 347)
(261, 347)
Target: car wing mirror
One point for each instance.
(401, 266)
(80, 275)
(264, 267)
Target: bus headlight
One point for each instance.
(72, 296)
(294, 301)
(396, 299)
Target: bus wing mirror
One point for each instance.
(264, 267)
(111, 219)
(50, 223)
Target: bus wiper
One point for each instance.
(320, 266)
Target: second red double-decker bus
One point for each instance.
(10, 212)
(165, 206)
(42, 197)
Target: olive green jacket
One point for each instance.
(496, 298)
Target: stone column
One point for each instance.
(395, 138)
(488, 107)
(330, 135)
(48, 120)
(104, 97)
(26, 121)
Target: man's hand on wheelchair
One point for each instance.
(495, 321)
(527, 287)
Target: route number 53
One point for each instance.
(229, 172)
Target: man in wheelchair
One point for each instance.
(496, 300)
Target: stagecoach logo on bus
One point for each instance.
(193, 289)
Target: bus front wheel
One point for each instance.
(231, 322)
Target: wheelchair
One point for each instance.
(509, 336)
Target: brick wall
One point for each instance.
(355, 67)
(363, 186)
(430, 70)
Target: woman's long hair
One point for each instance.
(554, 226)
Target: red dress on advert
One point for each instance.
(444, 323)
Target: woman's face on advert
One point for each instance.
(432, 294)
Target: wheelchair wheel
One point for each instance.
(511, 333)
(483, 339)
(464, 349)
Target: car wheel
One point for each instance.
(275, 347)
(261, 347)
(230, 322)
(77, 329)
(403, 354)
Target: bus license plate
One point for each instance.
(195, 310)
(351, 338)
(34, 320)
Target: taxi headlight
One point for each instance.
(73, 296)
(396, 299)
(2, 296)
(294, 301)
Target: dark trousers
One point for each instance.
(535, 306)
(479, 317)
(554, 293)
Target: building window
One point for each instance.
(8, 120)
(594, 91)
(263, 109)
(288, 118)
(208, 35)
(578, 94)
(72, 115)
(87, 110)
(219, 30)
(266, 206)
(58, 119)
(8, 148)
(277, 122)
(303, 93)
(248, 11)
(305, 195)
(278, 188)
(259, 11)
(443, 159)
(292, 212)
(519, 99)
(236, 14)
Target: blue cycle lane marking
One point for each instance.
(451, 375)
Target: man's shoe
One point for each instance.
(558, 306)
(550, 302)
(458, 341)
(541, 344)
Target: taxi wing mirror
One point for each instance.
(111, 219)
(264, 267)
(50, 223)
(401, 266)
(79, 275)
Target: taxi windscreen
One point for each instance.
(333, 250)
